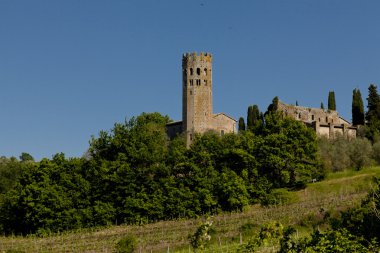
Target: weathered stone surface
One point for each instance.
(326, 123)
(197, 113)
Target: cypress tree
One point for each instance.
(241, 124)
(373, 114)
(250, 117)
(373, 106)
(253, 117)
(296, 103)
(331, 101)
(357, 108)
(322, 106)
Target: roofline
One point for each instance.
(224, 115)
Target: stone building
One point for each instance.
(326, 123)
(197, 113)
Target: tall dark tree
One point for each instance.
(253, 117)
(322, 106)
(296, 103)
(357, 108)
(241, 124)
(331, 101)
(373, 114)
(373, 106)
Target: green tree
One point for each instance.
(331, 101)
(287, 152)
(273, 106)
(322, 106)
(373, 113)
(254, 119)
(241, 124)
(357, 108)
(25, 157)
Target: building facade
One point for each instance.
(326, 123)
(197, 109)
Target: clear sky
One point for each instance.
(71, 68)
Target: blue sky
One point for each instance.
(71, 68)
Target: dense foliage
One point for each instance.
(134, 174)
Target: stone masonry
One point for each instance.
(197, 113)
(326, 123)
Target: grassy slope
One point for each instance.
(305, 209)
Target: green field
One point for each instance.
(303, 209)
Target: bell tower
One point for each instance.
(197, 93)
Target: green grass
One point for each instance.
(304, 209)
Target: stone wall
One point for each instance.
(325, 122)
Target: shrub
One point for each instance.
(127, 244)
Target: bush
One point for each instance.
(127, 244)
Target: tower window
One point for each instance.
(198, 82)
(327, 120)
(205, 82)
(191, 92)
(312, 117)
(191, 71)
(191, 82)
(205, 72)
(198, 71)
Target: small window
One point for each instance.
(198, 71)
(327, 120)
(205, 82)
(191, 92)
(191, 71)
(221, 132)
(299, 115)
(205, 72)
(312, 117)
(198, 82)
(191, 82)
(191, 137)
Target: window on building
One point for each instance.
(198, 82)
(205, 72)
(191, 71)
(299, 115)
(205, 82)
(327, 120)
(221, 132)
(191, 137)
(198, 71)
(312, 117)
(191, 82)
(191, 92)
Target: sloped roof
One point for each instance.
(223, 114)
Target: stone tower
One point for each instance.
(197, 93)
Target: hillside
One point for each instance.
(303, 209)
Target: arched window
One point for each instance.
(198, 71)
(205, 72)
(191, 71)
